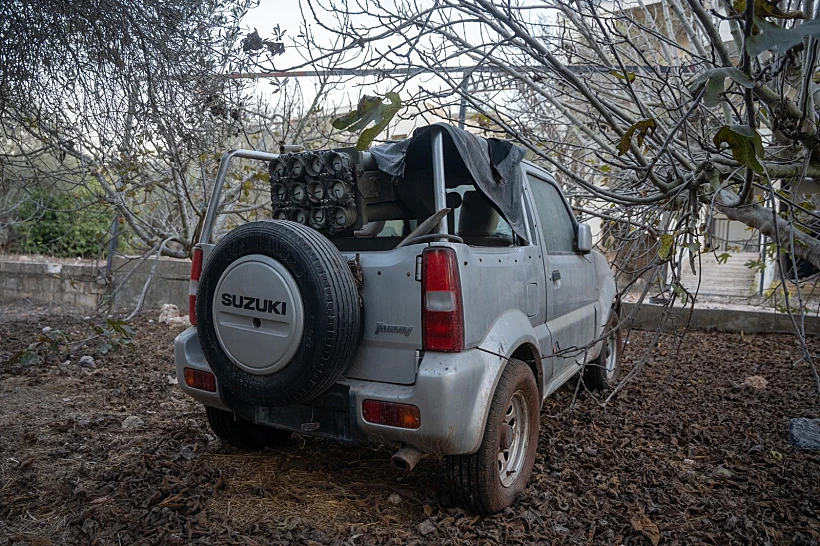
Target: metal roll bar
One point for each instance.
(224, 163)
(439, 190)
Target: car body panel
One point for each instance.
(391, 298)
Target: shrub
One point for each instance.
(62, 224)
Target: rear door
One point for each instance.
(571, 281)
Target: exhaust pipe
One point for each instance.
(406, 458)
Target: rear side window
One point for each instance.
(557, 228)
(393, 228)
(489, 223)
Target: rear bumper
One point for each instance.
(452, 391)
(188, 354)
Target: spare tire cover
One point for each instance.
(278, 313)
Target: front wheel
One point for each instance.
(494, 477)
(602, 373)
(243, 434)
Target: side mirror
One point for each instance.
(583, 239)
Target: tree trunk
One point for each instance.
(756, 216)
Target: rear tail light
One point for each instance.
(442, 317)
(196, 271)
(391, 414)
(198, 379)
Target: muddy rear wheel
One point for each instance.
(494, 477)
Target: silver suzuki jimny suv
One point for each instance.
(427, 294)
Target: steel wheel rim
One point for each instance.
(511, 460)
(611, 355)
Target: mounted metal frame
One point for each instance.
(439, 190)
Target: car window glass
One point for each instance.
(556, 225)
(392, 228)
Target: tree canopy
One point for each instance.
(655, 115)
(117, 98)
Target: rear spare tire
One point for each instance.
(278, 313)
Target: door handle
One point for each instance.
(556, 276)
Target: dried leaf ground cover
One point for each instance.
(688, 454)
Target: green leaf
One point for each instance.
(778, 39)
(347, 120)
(714, 87)
(680, 292)
(714, 81)
(629, 75)
(721, 259)
(643, 127)
(745, 143)
(370, 109)
(757, 265)
(390, 110)
(121, 327)
(26, 357)
(667, 240)
(769, 9)
(29, 358)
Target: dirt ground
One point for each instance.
(687, 454)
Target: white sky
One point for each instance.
(287, 14)
(270, 13)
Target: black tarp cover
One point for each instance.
(492, 163)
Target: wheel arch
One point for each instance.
(607, 290)
(512, 336)
(528, 353)
(608, 299)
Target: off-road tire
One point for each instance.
(597, 377)
(243, 434)
(332, 314)
(474, 480)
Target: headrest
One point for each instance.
(477, 217)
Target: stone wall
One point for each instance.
(169, 283)
(723, 320)
(84, 284)
(77, 285)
